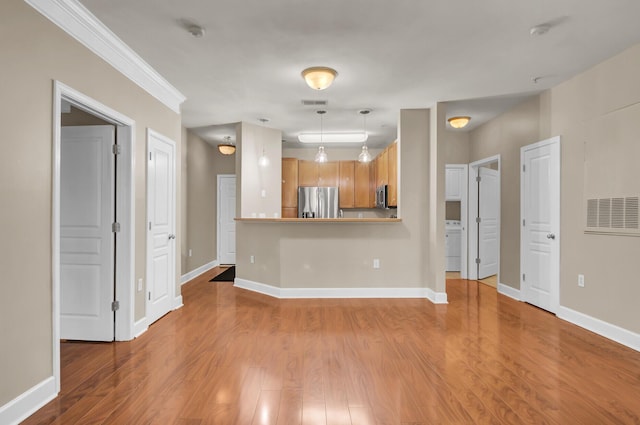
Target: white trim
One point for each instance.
(125, 243)
(472, 213)
(27, 403)
(302, 293)
(197, 272)
(140, 327)
(605, 329)
(77, 21)
(464, 208)
(177, 303)
(509, 291)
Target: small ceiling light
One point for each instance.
(539, 29)
(459, 122)
(227, 148)
(321, 155)
(195, 30)
(319, 77)
(364, 156)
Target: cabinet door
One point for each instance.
(328, 174)
(392, 160)
(373, 168)
(307, 173)
(346, 191)
(453, 183)
(289, 183)
(362, 185)
(382, 173)
(289, 212)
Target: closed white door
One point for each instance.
(540, 236)
(226, 219)
(87, 190)
(161, 245)
(488, 228)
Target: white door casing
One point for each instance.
(459, 174)
(161, 239)
(540, 224)
(488, 228)
(87, 191)
(226, 229)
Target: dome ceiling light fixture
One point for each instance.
(319, 77)
(227, 148)
(459, 122)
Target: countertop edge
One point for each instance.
(319, 220)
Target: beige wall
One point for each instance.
(597, 115)
(456, 146)
(30, 63)
(319, 255)
(505, 135)
(77, 117)
(204, 163)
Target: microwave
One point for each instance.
(381, 196)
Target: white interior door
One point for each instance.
(161, 207)
(488, 228)
(540, 236)
(226, 216)
(87, 190)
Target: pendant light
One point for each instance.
(263, 160)
(364, 156)
(321, 155)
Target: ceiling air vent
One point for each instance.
(615, 216)
(314, 102)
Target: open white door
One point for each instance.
(488, 228)
(540, 236)
(226, 219)
(161, 207)
(87, 181)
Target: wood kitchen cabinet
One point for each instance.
(347, 184)
(392, 160)
(363, 188)
(372, 184)
(289, 187)
(382, 168)
(328, 174)
(307, 173)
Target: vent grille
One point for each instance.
(307, 102)
(613, 215)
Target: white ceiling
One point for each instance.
(390, 55)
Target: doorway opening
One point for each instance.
(484, 221)
(121, 208)
(226, 230)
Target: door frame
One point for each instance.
(554, 142)
(176, 299)
(125, 212)
(218, 227)
(464, 208)
(472, 270)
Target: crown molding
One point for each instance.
(81, 24)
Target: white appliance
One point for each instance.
(453, 245)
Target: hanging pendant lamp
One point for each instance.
(321, 155)
(364, 156)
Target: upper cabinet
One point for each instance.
(347, 184)
(328, 174)
(382, 168)
(454, 183)
(307, 173)
(392, 160)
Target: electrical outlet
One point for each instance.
(190, 252)
(263, 193)
(252, 259)
(581, 280)
(139, 285)
(376, 263)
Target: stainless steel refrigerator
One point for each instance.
(318, 202)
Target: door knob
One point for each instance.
(551, 236)
(174, 236)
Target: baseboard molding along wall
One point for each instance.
(140, 327)
(509, 291)
(197, 272)
(27, 403)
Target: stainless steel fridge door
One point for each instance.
(307, 202)
(328, 204)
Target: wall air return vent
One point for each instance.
(307, 102)
(614, 216)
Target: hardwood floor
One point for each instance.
(230, 356)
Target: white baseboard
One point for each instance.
(140, 327)
(607, 330)
(289, 293)
(509, 291)
(197, 272)
(177, 302)
(28, 402)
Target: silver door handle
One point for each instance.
(174, 236)
(551, 236)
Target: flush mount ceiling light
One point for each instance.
(459, 122)
(364, 156)
(319, 77)
(321, 155)
(227, 148)
(332, 137)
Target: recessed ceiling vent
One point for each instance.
(615, 216)
(314, 102)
